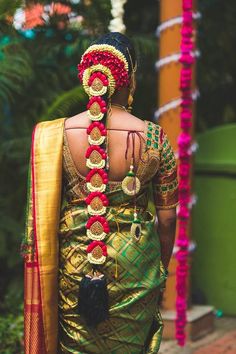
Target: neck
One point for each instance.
(119, 102)
(119, 106)
(115, 104)
(120, 97)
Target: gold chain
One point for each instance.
(119, 106)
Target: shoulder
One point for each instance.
(135, 120)
(126, 121)
(155, 127)
(80, 119)
(48, 128)
(155, 134)
(137, 123)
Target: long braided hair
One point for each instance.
(106, 67)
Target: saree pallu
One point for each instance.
(40, 244)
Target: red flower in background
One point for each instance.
(33, 16)
(59, 9)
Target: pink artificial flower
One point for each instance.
(184, 141)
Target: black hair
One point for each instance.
(121, 43)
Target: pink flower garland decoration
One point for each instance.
(184, 144)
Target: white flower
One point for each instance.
(117, 11)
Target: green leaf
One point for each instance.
(65, 103)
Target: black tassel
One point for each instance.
(93, 299)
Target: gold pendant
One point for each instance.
(131, 184)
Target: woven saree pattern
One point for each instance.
(54, 250)
(134, 325)
(33, 312)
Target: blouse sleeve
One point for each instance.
(165, 182)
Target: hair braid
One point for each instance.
(104, 68)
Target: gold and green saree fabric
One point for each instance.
(56, 229)
(40, 244)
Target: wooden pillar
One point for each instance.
(169, 93)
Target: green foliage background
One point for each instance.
(38, 81)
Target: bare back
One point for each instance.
(117, 141)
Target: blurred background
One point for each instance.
(38, 81)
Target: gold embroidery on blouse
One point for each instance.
(149, 166)
(165, 182)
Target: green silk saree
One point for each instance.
(55, 257)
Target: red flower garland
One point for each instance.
(100, 171)
(184, 143)
(100, 195)
(106, 58)
(98, 125)
(100, 101)
(94, 244)
(98, 75)
(103, 221)
(98, 149)
(101, 71)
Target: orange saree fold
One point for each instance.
(41, 263)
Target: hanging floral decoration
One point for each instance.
(175, 58)
(110, 65)
(95, 157)
(187, 60)
(97, 180)
(96, 108)
(96, 132)
(117, 11)
(97, 252)
(102, 70)
(97, 203)
(97, 227)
